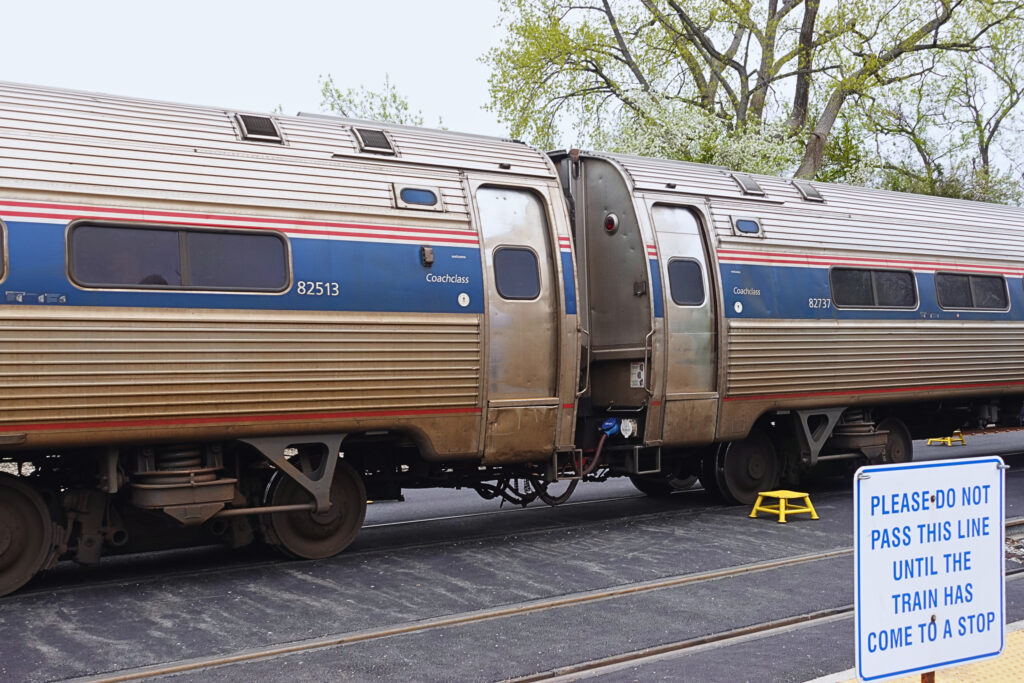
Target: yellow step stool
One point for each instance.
(948, 440)
(783, 508)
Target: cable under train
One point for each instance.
(222, 325)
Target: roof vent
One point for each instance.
(807, 191)
(372, 140)
(748, 184)
(261, 128)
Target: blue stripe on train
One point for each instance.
(659, 309)
(569, 280)
(370, 277)
(760, 291)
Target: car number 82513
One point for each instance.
(309, 288)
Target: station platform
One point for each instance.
(1007, 667)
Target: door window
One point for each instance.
(516, 274)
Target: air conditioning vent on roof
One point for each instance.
(807, 191)
(748, 184)
(372, 140)
(261, 128)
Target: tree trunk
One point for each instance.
(801, 96)
(814, 152)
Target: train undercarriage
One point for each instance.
(291, 494)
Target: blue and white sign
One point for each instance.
(928, 553)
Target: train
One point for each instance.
(226, 326)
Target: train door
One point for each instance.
(522, 323)
(691, 397)
(615, 290)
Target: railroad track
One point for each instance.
(517, 610)
(46, 585)
(1014, 536)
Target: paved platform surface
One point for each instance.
(1009, 666)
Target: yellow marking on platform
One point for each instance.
(1007, 667)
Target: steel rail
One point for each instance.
(456, 620)
(573, 672)
(257, 654)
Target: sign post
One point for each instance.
(929, 568)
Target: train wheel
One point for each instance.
(660, 486)
(899, 447)
(708, 473)
(745, 467)
(26, 533)
(309, 535)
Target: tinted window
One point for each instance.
(859, 288)
(970, 291)
(988, 292)
(109, 256)
(747, 226)
(686, 282)
(225, 260)
(852, 287)
(411, 195)
(104, 255)
(516, 274)
(954, 291)
(894, 288)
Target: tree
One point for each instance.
(955, 136)
(361, 103)
(699, 79)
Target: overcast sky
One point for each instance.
(257, 54)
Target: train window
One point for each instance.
(862, 288)
(412, 195)
(686, 282)
(151, 257)
(107, 256)
(957, 290)
(747, 227)
(989, 292)
(516, 273)
(231, 260)
(417, 197)
(894, 288)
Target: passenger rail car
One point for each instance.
(201, 308)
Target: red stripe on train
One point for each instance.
(53, 426)
(72, 208)
(374, 230)
(858, 392)
(729, 256)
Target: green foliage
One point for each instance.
(958, 181)
(386, 105)
(790, 86)
(669, 131)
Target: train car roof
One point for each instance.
(106, 144)
(835, 216)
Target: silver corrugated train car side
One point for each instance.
(202, 308)
(800, 322)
